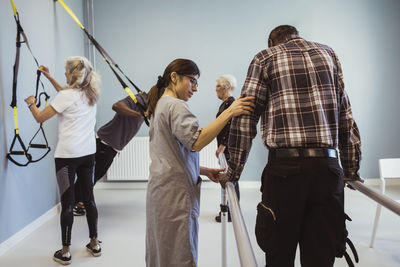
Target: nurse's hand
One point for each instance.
(212, 174)
(223, 180)
(242, 105)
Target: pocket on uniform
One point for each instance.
(196, 198)
(265, 224)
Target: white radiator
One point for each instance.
(132, 164)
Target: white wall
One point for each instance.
(223, 36)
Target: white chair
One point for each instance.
(388, 168)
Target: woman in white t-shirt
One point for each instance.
(75, 106)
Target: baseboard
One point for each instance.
(121, 185)
(27, 230)
(208, 184)
(143, 185)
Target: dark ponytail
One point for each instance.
(180, 66)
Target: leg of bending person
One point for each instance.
(79, 208)
(104, 157)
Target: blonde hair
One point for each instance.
(227, 81)
(83, 76)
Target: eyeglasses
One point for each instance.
(192, 80)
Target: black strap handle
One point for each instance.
(39, 146)
(23, 152)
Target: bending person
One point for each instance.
(75, 106)
(225, 85)
(173, 193)
(111, 139)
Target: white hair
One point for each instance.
(227, 81)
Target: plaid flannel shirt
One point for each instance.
(300, 97)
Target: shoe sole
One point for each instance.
(94, 254)
(61, 261)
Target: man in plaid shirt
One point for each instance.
(305, 117)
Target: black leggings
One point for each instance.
(104, 157)
(66, 169)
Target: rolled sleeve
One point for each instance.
(184, 125)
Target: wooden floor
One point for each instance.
(122, 230)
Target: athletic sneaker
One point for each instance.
(78, 211)
(95, 251)
(64, 259)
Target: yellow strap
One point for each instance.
(71, 13)
(131, 94)
(16, 120)
(14, 8)
(80, 25)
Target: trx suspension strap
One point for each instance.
(36, 145)
(111, 63)
(38, 103)
(24, 151)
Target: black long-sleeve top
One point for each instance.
(222, 137)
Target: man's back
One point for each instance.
(302, 95)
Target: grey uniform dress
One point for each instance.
(173, 193)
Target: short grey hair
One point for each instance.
(227, 81)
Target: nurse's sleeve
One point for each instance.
(184, 125)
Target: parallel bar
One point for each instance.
(224, 217)
(376, 196)
(245, 250)
(224, 229)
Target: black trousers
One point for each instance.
(66, 169)
(302, 203)
(104, 157)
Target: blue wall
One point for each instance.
(28, 192)
(223, 36)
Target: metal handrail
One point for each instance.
(376, 196)
(245, 250)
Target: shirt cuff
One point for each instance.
(351, 175)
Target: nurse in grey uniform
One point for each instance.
(173, 193)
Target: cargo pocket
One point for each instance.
(265, 224)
